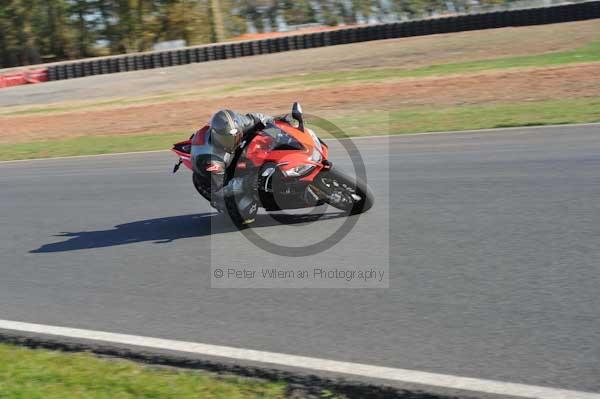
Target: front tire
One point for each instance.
(344, 192)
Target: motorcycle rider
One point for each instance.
(227, 132)
(228, 128)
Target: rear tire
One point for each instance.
(203, 188)
(344, 192)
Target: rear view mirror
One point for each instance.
(297, 115)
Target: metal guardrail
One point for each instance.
(206, 53)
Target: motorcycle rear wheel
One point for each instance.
(202, 186)
(344, 192)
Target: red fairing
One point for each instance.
(200, 136)
(259, 150)
(183, 148)
(187, 163)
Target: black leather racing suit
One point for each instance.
(248, 122)
(222, 184)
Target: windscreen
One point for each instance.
(282, 140)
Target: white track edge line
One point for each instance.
(83, 156)
(315, 364)
(328, 139)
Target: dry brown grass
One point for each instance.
(176, 108)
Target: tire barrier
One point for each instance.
(491, 20)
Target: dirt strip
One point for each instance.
(575, 81)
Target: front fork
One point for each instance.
(313, 193)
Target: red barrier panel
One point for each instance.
(24, 77)
(36, 76)
(14, 79)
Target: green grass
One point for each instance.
(588, 53)
(409, 120)
(89, 145)
(418, 119)
(42, 374)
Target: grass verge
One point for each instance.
(410, 120)
(419, 119)
(587, 53)
(43, 374)
(89, 145)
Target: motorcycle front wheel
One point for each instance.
(344, 192)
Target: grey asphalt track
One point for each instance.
(494, 258)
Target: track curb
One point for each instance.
(300, 385)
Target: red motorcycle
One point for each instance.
(280, 166)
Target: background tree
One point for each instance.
(33, 31)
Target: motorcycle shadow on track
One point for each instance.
(168, 229)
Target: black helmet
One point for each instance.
(224, 131)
